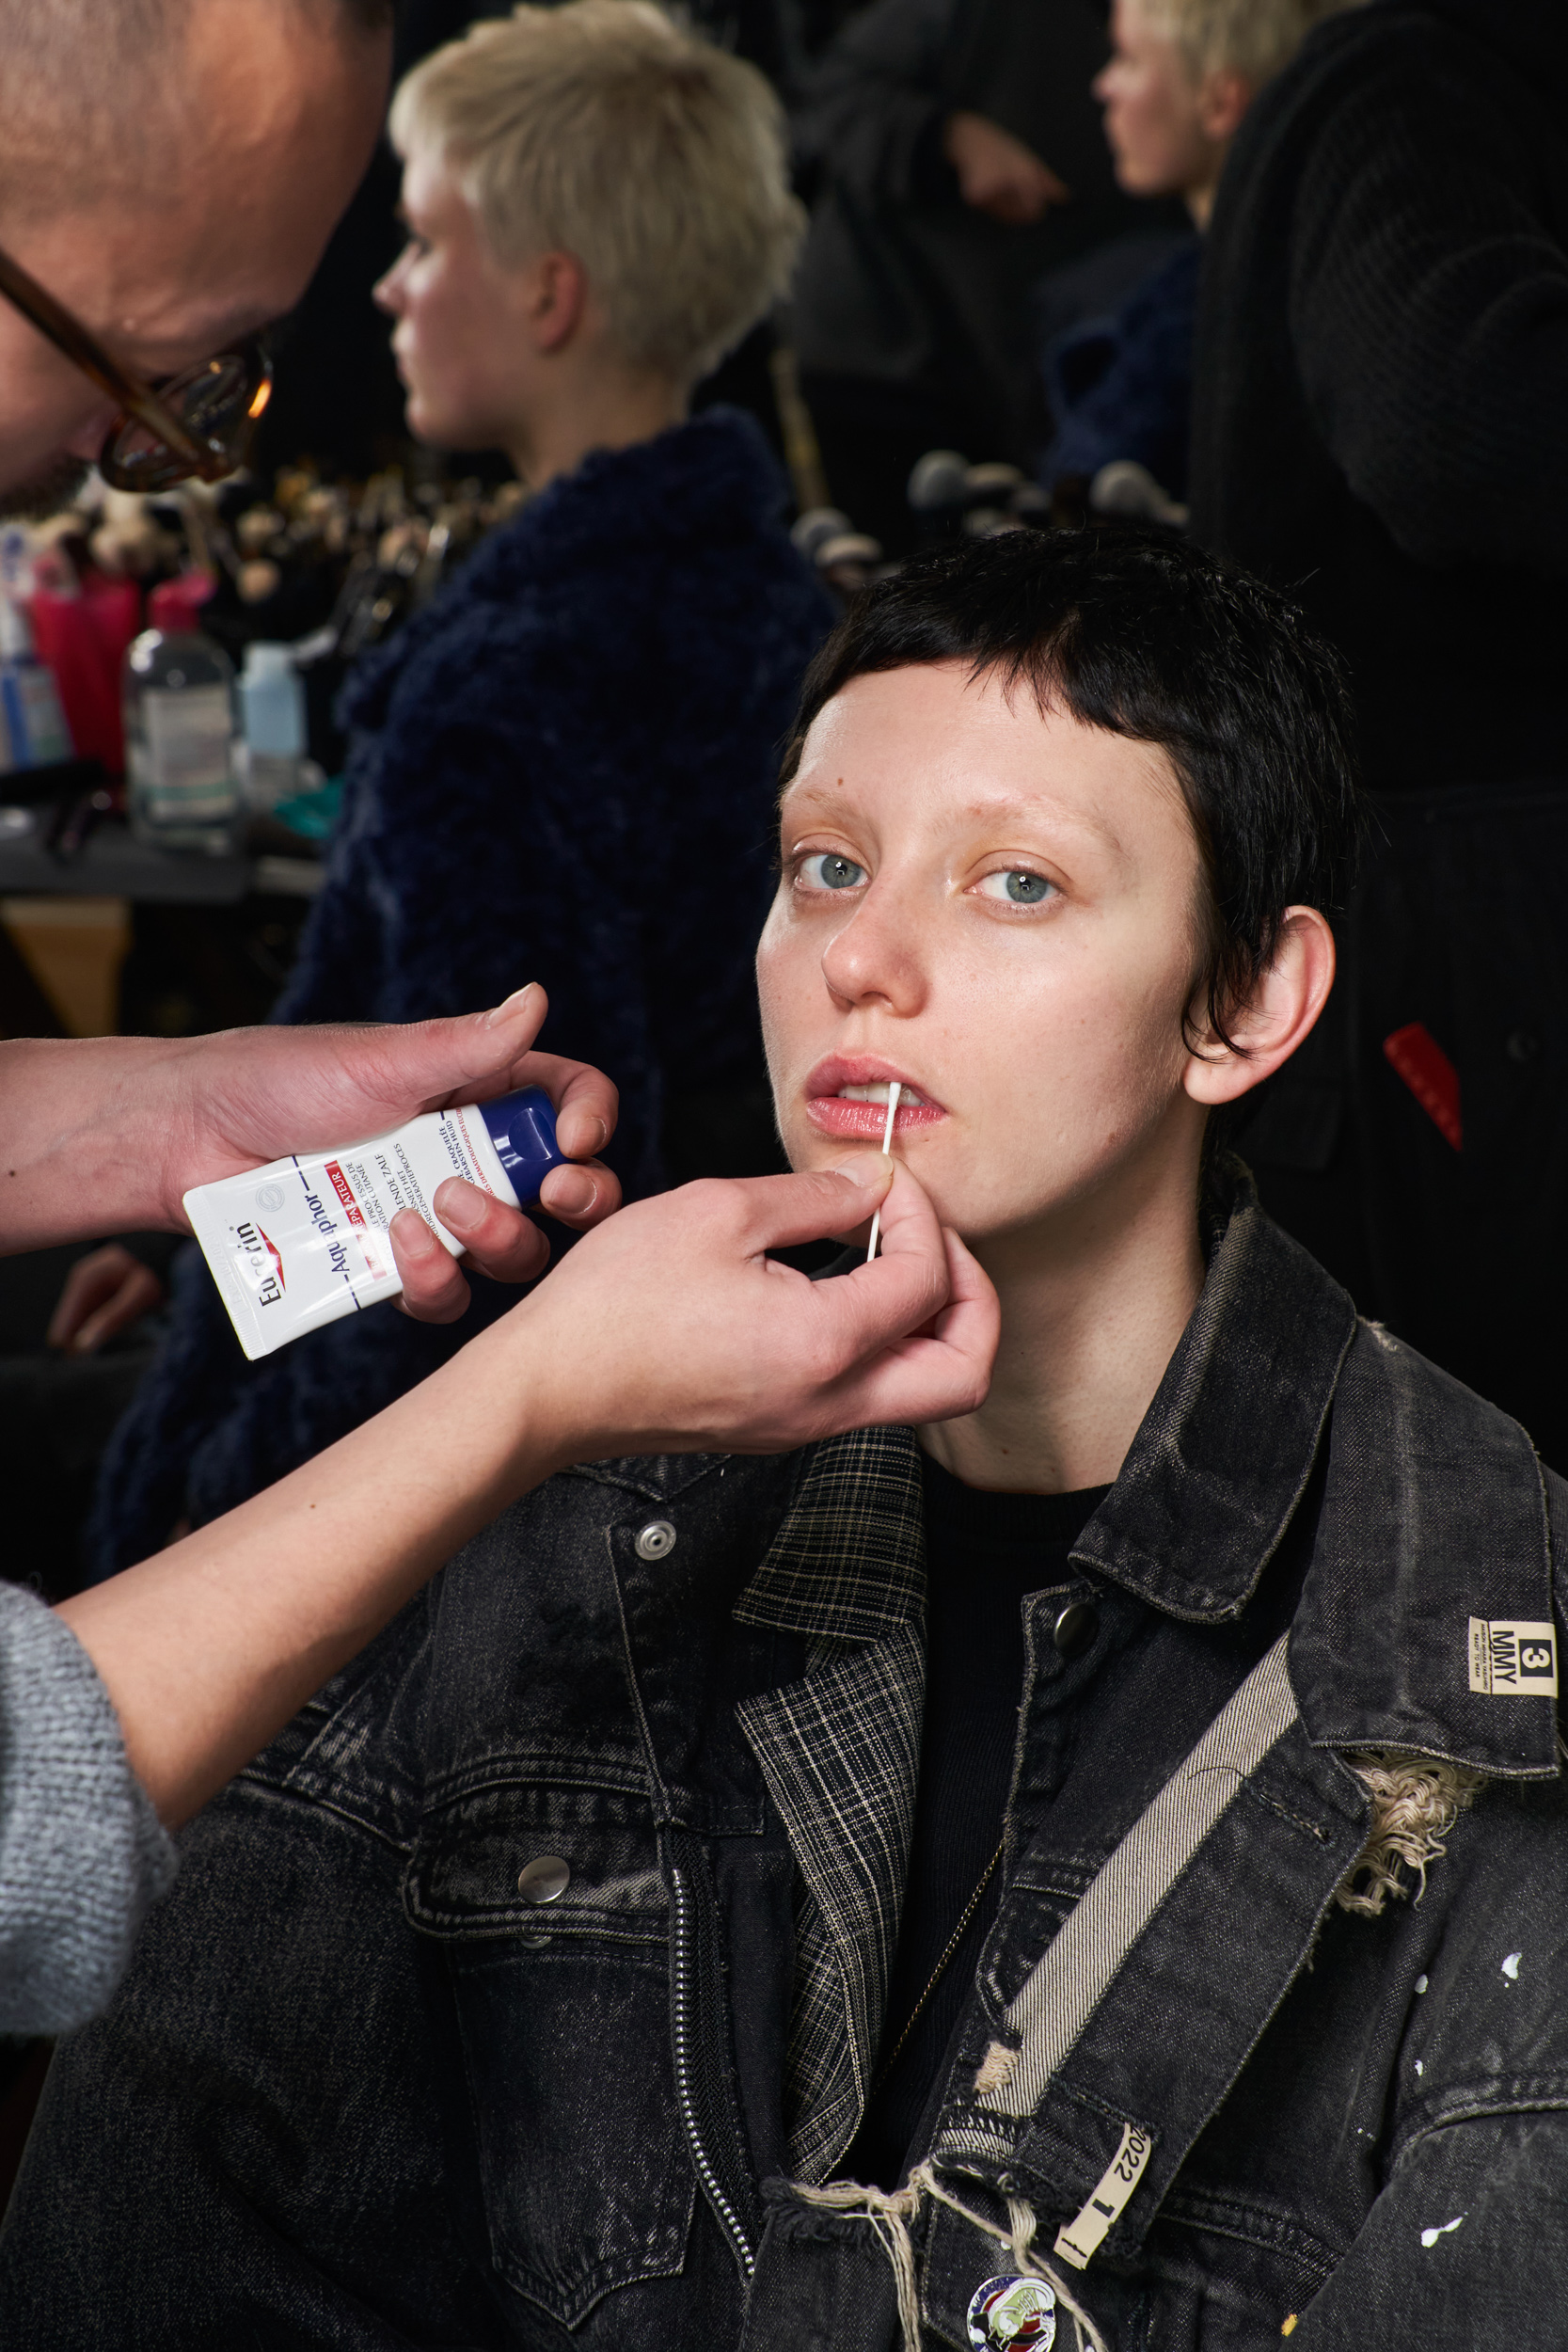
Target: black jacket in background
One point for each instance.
(902, 283)
(1381, 393)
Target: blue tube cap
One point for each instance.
(522, 1128)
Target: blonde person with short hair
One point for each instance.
(561, 769)
(1182, 76)
(598, 203)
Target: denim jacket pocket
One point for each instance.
(562, 2011)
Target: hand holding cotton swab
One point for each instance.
(894, 1091)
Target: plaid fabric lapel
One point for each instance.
(840, 1751)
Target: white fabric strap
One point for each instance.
(1071, 1978)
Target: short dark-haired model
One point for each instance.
(1090, 1870)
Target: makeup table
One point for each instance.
(67, 915)
(112, 864)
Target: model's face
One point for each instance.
(997, 909)
(1153, 112)
(283, 116)
(458, 350)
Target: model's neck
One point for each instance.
(1092, 1308)
(597, 412)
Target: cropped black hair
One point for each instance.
(1157, 641)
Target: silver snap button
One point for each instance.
(1075, 1628)
(544, 1879)
(655, 1540)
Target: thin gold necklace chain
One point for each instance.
(939, 1971)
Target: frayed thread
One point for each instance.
(996, 2067)
(892, 2213)
(889, 2214)
(1416, 1802)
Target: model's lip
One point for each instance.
(864, 1070)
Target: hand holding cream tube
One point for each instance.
(304, 1240)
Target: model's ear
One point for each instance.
(1223, 98)
(1290, 993)
(555, 295)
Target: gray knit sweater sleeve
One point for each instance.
(81, 1853)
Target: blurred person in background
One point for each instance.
(1182, 73)
(955, 153)
(1381, 381)
(562, 768)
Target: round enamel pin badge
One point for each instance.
(1008, 2312)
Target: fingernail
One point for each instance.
(410, 1228)
(573, 1191)
(589, 1136)
(513, 1005)
(866, 1173)
(459, 1205)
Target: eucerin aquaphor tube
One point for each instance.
(304, 1240)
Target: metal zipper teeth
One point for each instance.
(706, 2172)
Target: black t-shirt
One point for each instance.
(984, 1553)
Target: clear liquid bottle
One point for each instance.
(272, 713)
(179, 763)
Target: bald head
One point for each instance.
(170, 171)
(94, 91)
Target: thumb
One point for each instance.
(817, 1206)
(488, 1040)
(437, 1060)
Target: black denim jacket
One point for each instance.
(361, 2092)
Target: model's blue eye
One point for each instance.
(1020, 887)
(827, 870)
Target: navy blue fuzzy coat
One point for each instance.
(562, 772)
(1122, 385)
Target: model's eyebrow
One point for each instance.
(1030, 807)
(995, 808)
(811, 795)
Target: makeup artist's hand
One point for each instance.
(682, 1334)
(284, 1090)
(102, 1134)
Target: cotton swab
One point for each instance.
(894, 1091)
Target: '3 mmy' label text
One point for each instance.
(1511, 1659)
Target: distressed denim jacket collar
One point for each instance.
(1415, 1470)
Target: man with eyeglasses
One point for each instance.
(169, 173)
